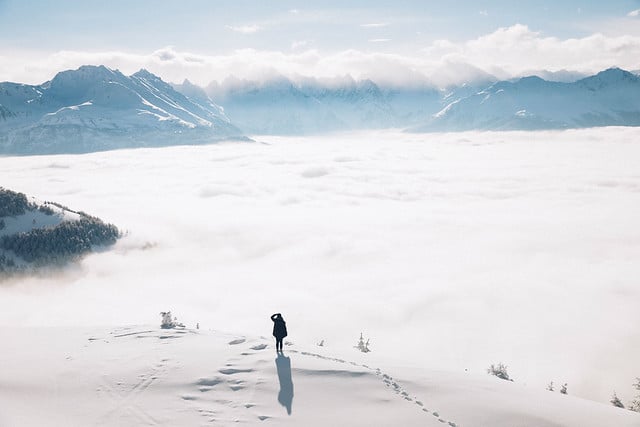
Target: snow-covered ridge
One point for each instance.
(34, 234)
(95, 108)
(609, 98)
(144, 375)
(284, 106)
(36, 218)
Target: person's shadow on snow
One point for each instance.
(285, 395)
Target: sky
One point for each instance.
(397, 42)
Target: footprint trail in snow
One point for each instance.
(243, 375)
(388, 382)
(237, 385)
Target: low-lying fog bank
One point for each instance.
(451, 251)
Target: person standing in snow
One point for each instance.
(279, 329)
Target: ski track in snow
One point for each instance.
(123, 395)
(123, 398)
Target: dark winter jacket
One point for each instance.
(279, 326)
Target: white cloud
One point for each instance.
(375, 25)
(299, 44)
(484, 13)
(239, 228)
(506, 52)
(517, 48)
(634, 13)
(245, 29)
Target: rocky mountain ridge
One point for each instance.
(95, 108)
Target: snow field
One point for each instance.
(144, 375)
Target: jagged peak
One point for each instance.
(187, 83)
(92, 70)
(85, 73)
(143, 73)
(614, 72)
(367, 84)
(610, 76)
(531, 79)
(191, 90)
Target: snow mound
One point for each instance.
(140, 375)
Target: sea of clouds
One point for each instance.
(450, 251)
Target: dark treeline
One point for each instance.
(66, 241)
(43, 246)
(13, 204)
(7, 265)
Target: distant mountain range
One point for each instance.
(95, 108)
(280, 106)
(609, 98)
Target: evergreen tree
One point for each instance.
(12, 203)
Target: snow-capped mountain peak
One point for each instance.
(96, 108)
(609, 98)
(609, 77)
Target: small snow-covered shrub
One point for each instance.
(634, 405)
(500, 371)
(615, 401)
(563, 389)
(550, 386)
(167, 320)
(362, 345)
